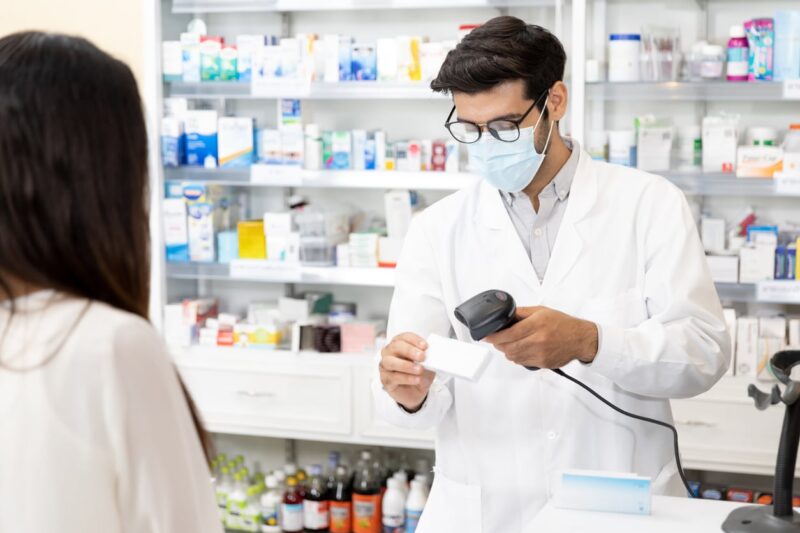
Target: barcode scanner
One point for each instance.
(494, 310)
(487, 313)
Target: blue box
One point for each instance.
(227, 246)
(604, 491)
(201, 138)
(364, 61)
(345, 58)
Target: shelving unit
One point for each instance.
(266, 176)
(344, 90)
(231, 6)
(720, 91)
(363, 277)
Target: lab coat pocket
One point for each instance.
(626, 309)
(452, 507)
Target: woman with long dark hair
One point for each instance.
(96, 434)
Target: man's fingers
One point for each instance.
(518, 331)
(392, 380)
(406, 350)
(413, 339)
(396, 364)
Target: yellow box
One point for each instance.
(252, 243)
(796, 266)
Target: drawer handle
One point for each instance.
(695, 423)
(255, 394)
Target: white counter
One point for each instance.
(670, 515)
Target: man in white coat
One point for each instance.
(609, 274)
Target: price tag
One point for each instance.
(782, 292)
(266, 270)
(791, 90)
(278, 175)
(788, 185)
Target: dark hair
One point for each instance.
(73, 173)
(503, 49)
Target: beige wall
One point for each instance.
(116, 26)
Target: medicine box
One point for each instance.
(345, 58)
(227, 246)
(228, 63)
(290, 115)
(767, 347)
(201, 138)
(172, 61)
(653, 149)
(756, 263)
(758, 161)
(341, 147)
(604, 491)
(747, 347)
(252, 243)
(397, 205)
(330, 54)
(235, 142)
(712, 232)
(269, 147)
(359, 149)
(210, 66)
(247, 47)
(173, 142)
(176, 237)
(292, 147)
(190, 57)
(465, 360)
(386, 51)
(730, 321)
(719, 144)
(364, 62)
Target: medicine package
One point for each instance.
(461, 359)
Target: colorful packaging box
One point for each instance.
(235, 142)
(342, 148)
(228, 63)
(246, 47)
(173, 142)
(190, 57)
(364, 62)
(345, 58)
(760, 38)
(176, 238)
(171, 61)
(201, 138)
(270, 150)
(252, 242)
(210, 67)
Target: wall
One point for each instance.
(116, 26)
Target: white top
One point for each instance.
(100, 439)
(668, 516)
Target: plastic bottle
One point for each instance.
(250, 517)
(292, 507)
(316, 513)
(738, 54)
(330, 478)
(402, 477)
(270, 506)
(302, 481)
(340, 503)
(224, 486)
(237, 500)
(791, 151)
(414, 505)
(366, 497)
(393, 507)
(423, 478)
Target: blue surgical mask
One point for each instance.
(508, 166)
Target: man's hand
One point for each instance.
(401, 374)
(546, 338)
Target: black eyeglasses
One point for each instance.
(505, 130)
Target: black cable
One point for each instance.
(637, 417)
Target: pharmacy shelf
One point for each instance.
(343, 90)
(368, 277)
(266, 176)
(231, 6)
(736, 292)
(721, 91)
(727, 185)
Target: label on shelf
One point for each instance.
(266, 270)
(791, 90)
(287, 175)
(788, 185)
(778, 291)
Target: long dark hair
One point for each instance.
(73, 174)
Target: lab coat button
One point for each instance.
(538, 232)
(551, 435)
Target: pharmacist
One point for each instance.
(610, 276)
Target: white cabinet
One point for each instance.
(722, 430)
(371, 427)
(310, 396)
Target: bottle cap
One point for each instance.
(280, 475)
(272, 482)
(290, 469)
(736, 31)
(393, 483)
(794, 126)
(291, 481)
(366, 455)
(401, 475)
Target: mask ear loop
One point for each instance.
(549, 133)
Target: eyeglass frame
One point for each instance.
(492, 131)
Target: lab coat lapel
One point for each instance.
(571, 239)
(504, 245)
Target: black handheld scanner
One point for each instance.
(487, 313)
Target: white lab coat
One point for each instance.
(627, 257)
